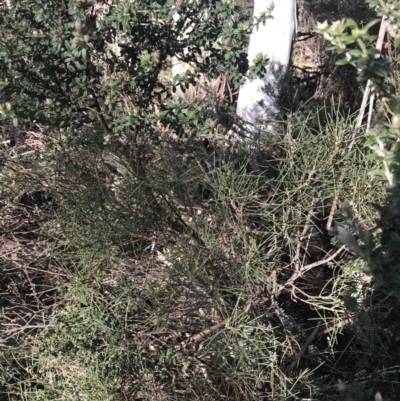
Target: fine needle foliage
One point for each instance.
(148, 254)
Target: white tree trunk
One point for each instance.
(273, 40)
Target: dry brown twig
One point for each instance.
(218, 326)
(338, 325)
(369, 86)
(305, 346)
(304, 269)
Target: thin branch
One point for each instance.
(306, 268)
(305, 346)
(198, 337)
(336, 326)
(307, 225)
(27, 327)
(218, 326)
(369, 87)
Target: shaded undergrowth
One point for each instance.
(189, 270)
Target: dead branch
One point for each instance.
(304, 269)
(305, 346)
(369, 87)
(218, 326)
(336, 326)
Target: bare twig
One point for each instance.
(369, 87)
(198, 337)
(12, 331)
(306, 268)
(218, 326)
(305, 346)
(336, 326)
(311, 213)
(335, 201)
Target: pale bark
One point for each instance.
(273, 40)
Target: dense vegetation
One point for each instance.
(148, 253)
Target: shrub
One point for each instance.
(73, 63)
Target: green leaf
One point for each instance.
(348, 40)
(376, 171)
(362, 61)
(355, 53)
(380, 72)
(390, 157)
(374, 156)
(370, 142)
(351, 23)
(343, 61)
(370, 24)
